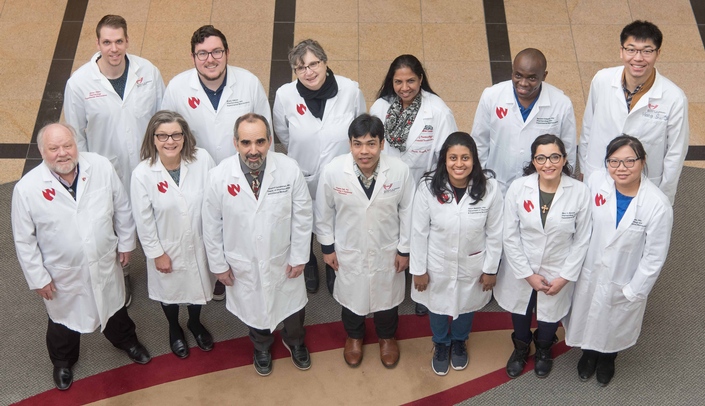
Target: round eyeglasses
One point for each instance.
(174, 136)
(216, 54)
(554, 158)
(300, 70)
(628, 163)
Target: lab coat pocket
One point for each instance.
(436, 259)
(349, 260)
(243, 270)
(173, 249)
(388, 255)
(67, 280)
(471, 266)
(625, 316)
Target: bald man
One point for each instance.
(513, 113)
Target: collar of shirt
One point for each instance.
(364, 179)
(632, 98)
(214, 96)
(248, 172)
(525, 111)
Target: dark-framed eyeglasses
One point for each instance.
(300, 70)
(628, 163)
(174, 136)
(554, 158)
(216, 54)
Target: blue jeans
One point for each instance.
(459, 328)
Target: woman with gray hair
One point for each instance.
(167, 193)
(311, 118)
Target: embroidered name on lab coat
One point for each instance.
(278, 190)
(638, 223)
(236, 102)
(568, 215)
(546, 120)
(477, 210)
(95, 94)
(390, 187)
(342, 191)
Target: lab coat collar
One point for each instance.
(266, 179)
(379, 182)
(159, 167)
(132, 75)
(608, 191)
(84, 172)
(656, 91)
(532, 186)
(195, 84)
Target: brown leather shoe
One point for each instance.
(353, 351)
(389, 352)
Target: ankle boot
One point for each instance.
(516, 363)
(605, 368)
(587, 364)
(543, 362)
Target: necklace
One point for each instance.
(545, 200)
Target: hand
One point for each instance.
(226, 278)
(294, 271)
(47, 292)
(488, 281)
(163, 263)
(421, 282)
(331, 260)
(538, 283)
(556, 285)
(124, 258)
(401, 263)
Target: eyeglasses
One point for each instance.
(644, 52)
(216, 54)
(628, 163)
(554, 158)
(165, 137)
(300, 70)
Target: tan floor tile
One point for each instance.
(339, 40)
(371, 76)
(459, 81)
(258, 68)
(555, 41)
(33, 10)
(597, 43)
(182, 10)
(599, 12)
(333, 11)
(455, 42)
(464, 113)
(681, 43)
(169, 40)
(695, 164)
(20, 79)
(696, 115)
(87, 42)
(28, 40)
(386, 11)
(17, 119)
(247, 40)
(11, 170)
(688, 76)
(243, 10)
(386, 41)
(536, 12)
(172, 67)
(130, 10)
(662, 12)
(579, 110)
(451, 11)
(566, 76)
(588, 71)
(348, 68)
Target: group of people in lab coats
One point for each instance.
(494, 211)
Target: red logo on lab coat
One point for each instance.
(234, 189)
(301, 109)
(501, 112)
(653, 106)
(194, 102)
(163, 186)
(444, 198)
(49, 194)
(599, 200)
(528, 206)
(139, 81)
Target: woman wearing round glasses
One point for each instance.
(631, 232)
(311, 118)
(546, 236)
(166, 193)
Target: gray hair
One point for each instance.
(40, 133)
(252, 118)
(297, 53)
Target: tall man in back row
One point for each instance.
(636, 99)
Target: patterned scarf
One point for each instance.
(398, 122)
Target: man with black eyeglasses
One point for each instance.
(636, 99)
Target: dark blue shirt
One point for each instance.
(525, 111)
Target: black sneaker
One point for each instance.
(263, 362)
(458, 355)
(440, 361)
(299, 356)
(219, 291)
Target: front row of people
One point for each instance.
(584, 255)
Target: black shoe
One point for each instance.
(311, 276)
(605, 368)
(587, 365)
(421, 310)
(204, 339)
(218, 291)
(178, 344)
(543, 362)
(128, 291)
(63, 378)
(138, 354)
(330, 278)
(263, 362)
(517, 361)
(299, 356)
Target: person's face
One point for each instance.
(527, 75)
(459, 165)
(253, 143)
(406, 85)
(366, 151)
(211, 69)
(169, 150)
(312, 78)
(638, 67)
(59, 150)
(112, 45)
(625, 178)
(549, 171)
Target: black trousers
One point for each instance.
(64, 344)
(522, 324)
(386, 322)
(293, 332)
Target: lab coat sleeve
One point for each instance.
(260, 104)
(75, 115)
(301, 221)
(361, 105)
(581, 238)
(513, 250)
(481, 128)
(493, 234)
(25, 235)
(568, 133)
(212, 217)
(122, 215)
(159, 87)
(420, 230)
(169, 100)
(280, 122)
(587, 125)
(325, 210)
(658, 239)
(446, 126)
(405, 210)
(677, 139)
(143, 214)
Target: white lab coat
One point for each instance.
(168, 219)
(258, 238)
(621, 266)
(367, 233)
(456, 244)
(75, 243)
(433, 124)
(558, 250)
(105, 123)
(310, 141)
(214, 129)
(503, 137)
(659, 120)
